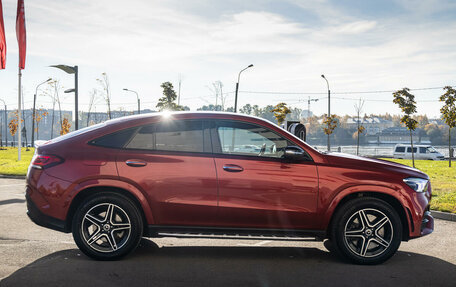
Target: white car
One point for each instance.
(420, 152)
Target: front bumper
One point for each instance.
(427, 224)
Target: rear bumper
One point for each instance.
(42, 219)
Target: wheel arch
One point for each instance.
(403, 211)
(85, 192)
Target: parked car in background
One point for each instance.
(218, 174)
(404, 151)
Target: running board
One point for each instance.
(235, 233)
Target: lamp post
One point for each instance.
(72, 70)
(237, 87)
(137, 96)
(329, 107)
(33, 113)
(6, 124)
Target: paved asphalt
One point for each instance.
(34, 256)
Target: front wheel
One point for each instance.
(107, 226)
(366, 231)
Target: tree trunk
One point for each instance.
(413, 154)
(449, 147)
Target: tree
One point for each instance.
(280, 112)
(360, 128)
(92, 98)
(246, 109)
(167, 101)
(39, 116)
(449, 113)
(330, 124)
(13, 124)
(104, 83)
(407, 104)
(65, 128)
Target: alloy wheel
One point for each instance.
(368, 233)
(106, 227)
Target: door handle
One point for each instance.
(232, 168)
(135, 163)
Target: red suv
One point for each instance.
(200, 174)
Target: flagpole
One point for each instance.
(19, 135)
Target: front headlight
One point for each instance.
(417, 184)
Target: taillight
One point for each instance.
(45, 161)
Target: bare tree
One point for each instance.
(106, 93)
(92, 98)
(360, 128)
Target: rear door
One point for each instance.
(257, 188)
(172, 163)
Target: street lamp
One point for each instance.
(237, 87)
(329, 107)
(33, 113)
(137, 96)
(6, 124)
(72, 70)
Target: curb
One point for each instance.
(443, 215)
(12, 176)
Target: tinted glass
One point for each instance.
(180, 136)
(400, 149)
(409, 149)
(144, 139)
(423, 150)
(247, 139)
(114, 140)
(170, 136)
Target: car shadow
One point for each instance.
(151, 265)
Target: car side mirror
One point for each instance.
(294, 153)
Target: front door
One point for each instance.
(257, 188)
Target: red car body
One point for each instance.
(179, 190)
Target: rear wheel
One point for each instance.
(107, 226)
(366, 231)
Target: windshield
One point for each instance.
(432, 150)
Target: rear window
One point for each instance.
(400, 149)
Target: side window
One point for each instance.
(423, 150)
(409, 149)
(143, 139)
(180, 136)
(239, 138)
(400, 149)
(183, 135)
(115, 140)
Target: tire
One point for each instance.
(366, 230)
(107, 226)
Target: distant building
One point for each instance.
(373, 125)
(395, 135)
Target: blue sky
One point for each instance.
(358, 45)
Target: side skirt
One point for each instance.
(234, 233)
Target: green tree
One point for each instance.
(329, 124)
(280, 112)
(449, 113)
(167, 101)
(407, 104)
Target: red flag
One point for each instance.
(20, 32)
(2, 40)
